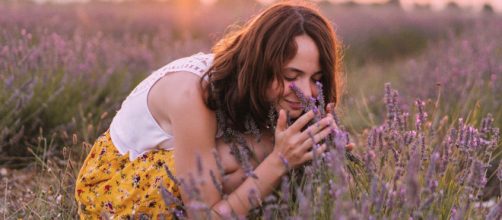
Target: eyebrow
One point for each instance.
(300, 71)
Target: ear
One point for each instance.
(330, 107)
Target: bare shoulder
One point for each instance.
(174, 94)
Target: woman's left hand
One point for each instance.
(330, 107)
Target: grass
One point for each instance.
(64, 76)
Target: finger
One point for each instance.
(309, 143)
(333, 124)
(281, 121)
(316, 128)
(302, 121)
(310, 155)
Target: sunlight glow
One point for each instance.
(437, 5)
(208, 2)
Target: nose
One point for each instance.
(307, 87)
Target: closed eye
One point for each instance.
(290, 79)
(292, 74)
(317, 77)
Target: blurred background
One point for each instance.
(476, 5)
(66, 65)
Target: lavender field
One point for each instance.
(422, 105)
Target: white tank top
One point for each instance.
(133, 129)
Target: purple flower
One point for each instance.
(298, 92)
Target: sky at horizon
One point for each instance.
(475, 5)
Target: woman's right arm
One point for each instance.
(194, 130)
(292, 148)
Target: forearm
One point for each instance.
(233, 180)
(269, 173)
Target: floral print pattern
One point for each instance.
(112, 185)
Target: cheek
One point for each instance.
(286, 90)
(273, 91)
(314, 91)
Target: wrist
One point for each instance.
(277, 163)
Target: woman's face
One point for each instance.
(304, 71)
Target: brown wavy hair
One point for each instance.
(247, 60)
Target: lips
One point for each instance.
(295, 105)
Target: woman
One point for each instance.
(170, 119)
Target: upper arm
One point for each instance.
(194, 131)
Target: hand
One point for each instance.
(293, 145)
(330, 107)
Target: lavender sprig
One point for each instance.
(298, 92)
(320, 98)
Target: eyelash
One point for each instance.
(294, 78)
(290, 79)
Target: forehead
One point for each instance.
(306, 58)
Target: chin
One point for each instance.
(294, 114)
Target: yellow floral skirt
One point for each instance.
(110, 184)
